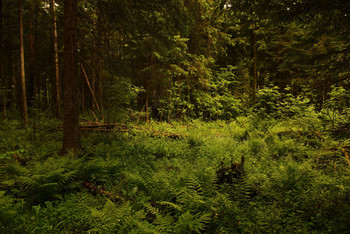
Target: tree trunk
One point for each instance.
(11, 83)
(24, 111)
(93, 79)
(2, 78)
(32, 59)
(98, 54)
(147, 98)
(82, 97)
(254, 73)
(55, 78)
(71, 135)
(255, 52)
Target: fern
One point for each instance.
(172, 205)
(39, 188)
(152, 210)
(39, 182)
(193, 184)
(164, 223)
(188, 222)
(100, 170)
(144, 227)
(7, 212)
(121, 219)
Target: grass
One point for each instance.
(294, 180)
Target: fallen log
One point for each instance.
(118, 127)
(98, 190)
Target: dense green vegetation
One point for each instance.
(174, 116)
(296, 176)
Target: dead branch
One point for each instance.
(98, 190)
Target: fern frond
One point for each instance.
(164, 224)
(66, 177)
(204, 219)
(152, 210)
(172, 205)
(109, 208)
(145, 227)
(26, 182)
(16, 169)
(193, 184)
(49, 187)
(223, 200)
(192, 223)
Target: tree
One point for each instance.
(33, 26)
(315, 46)
(24, 110)
(2, 78)
(71, 135)
(55, 78)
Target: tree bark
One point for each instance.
(55, 78)
(71, 135)
(2, 77)
(82, 96)
(11, 83)
(98, 54)
(254, 72)
(32, 59)
(24, 111)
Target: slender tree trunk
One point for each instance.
(11, 83)
(32, 59)
(254, 73)
(43, 88)
(100, 89)
(98, 63)
(36, 74)
(71, 135)
(147, 97)
(2, 77)
(93, 79)
(23, 79)
(255, 52)
(55, 77)
(82, 97)
(17, 83)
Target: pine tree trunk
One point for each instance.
(71, 135)
(11, 83)
(254, 73)
(147, 99)
(100, 86)
(93, 79)
(82, 97)
(98, 64)
(32, 61)
(2, 77)
(24, 111)
(55, 78)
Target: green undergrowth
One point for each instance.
(296, 179)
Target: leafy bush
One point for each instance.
(335, 111)
(271, 102)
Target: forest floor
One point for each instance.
(246, 175)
